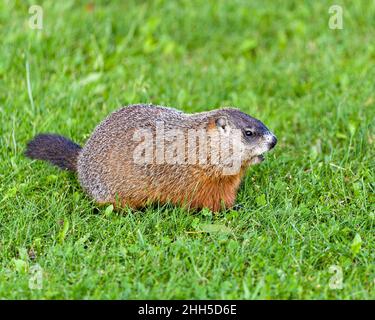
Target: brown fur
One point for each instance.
(107, 171)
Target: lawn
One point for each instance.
(306, 226)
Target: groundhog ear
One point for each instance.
(222, 124)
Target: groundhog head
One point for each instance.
(248, 133)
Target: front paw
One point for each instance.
(238, 206)
(257, 159)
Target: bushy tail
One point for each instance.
(55, 149)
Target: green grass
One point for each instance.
(308, 207)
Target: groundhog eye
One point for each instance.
(249, 133)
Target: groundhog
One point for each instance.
(143, 154)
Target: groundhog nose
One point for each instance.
(272, 140)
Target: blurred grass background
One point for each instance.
(310, 206)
